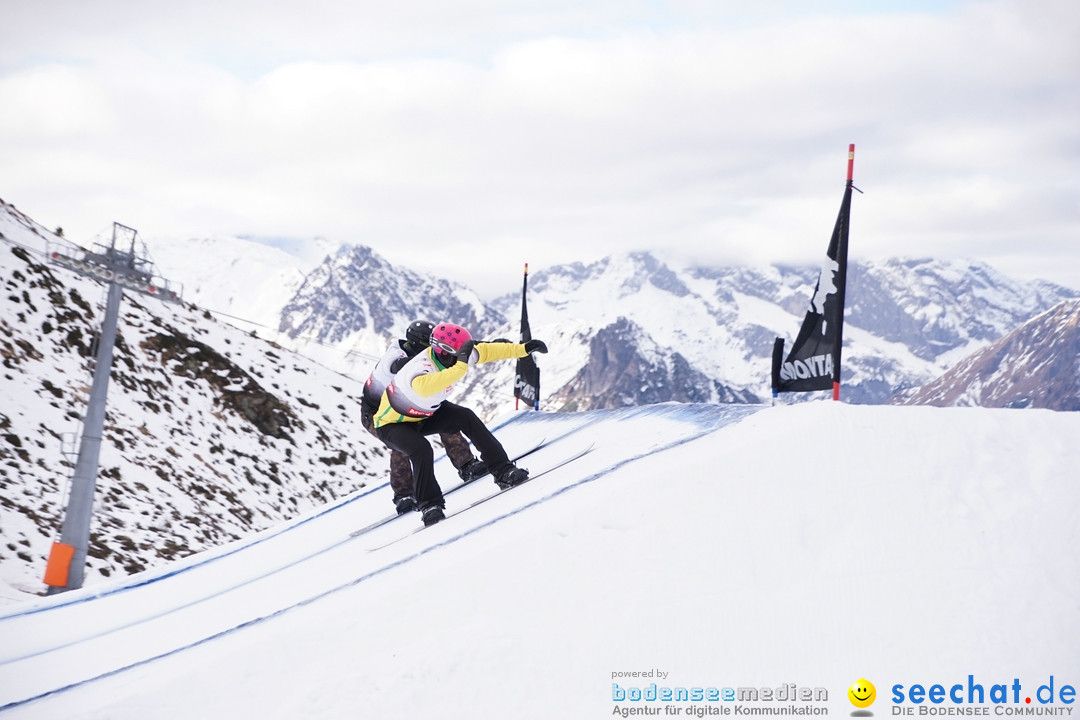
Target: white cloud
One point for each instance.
(562, 131)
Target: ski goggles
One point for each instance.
(443, 348)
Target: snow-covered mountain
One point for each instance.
(907, 320)
(211, 433)
(354, 302)
(638, 330)
(632, 329)
(1037, 366)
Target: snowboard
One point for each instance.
(532, 476)
(391, 518)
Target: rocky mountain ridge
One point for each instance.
(632, 329)
(1037, 365)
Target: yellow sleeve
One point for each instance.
(499, 351)
(431, 383)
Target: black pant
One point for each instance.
(401, 481)
(409, 438)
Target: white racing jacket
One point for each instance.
(382, 375)
(421, 386)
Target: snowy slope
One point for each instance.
(917, 545)
(211, 434)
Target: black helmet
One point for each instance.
(419, 332)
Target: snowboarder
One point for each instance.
(417, 339)
(415, 405)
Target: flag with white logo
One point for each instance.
(527, 381)
(814, 360)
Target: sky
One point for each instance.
(938, 545)
(467, 138)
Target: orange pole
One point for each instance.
(56, 572)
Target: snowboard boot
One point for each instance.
(511, 476)
(432, 514)
(404, 504)
(472, 470)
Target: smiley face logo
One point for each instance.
(862, 693)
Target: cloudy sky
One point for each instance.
(467, 137)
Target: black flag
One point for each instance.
(814, 360)
(527, 382)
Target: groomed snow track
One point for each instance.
(69, 640)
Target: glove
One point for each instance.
(468, 352)
(532, 346)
